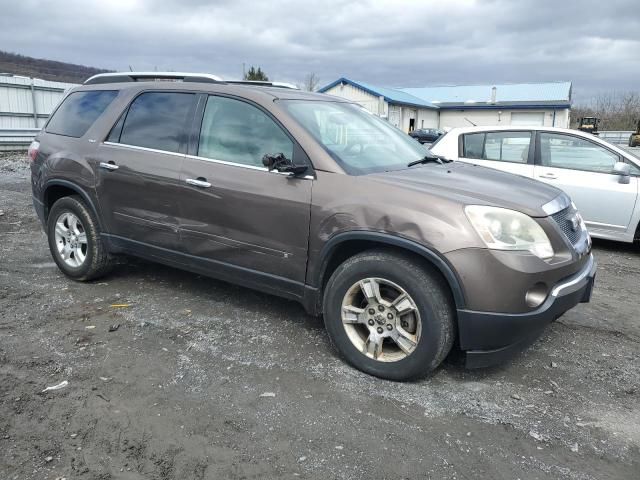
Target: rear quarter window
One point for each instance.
(78, 112)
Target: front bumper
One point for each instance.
(490, 338)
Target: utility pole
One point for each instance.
(243, 72)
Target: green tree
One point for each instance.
(256, 74)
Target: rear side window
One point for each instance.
(78, 112)
(157, 120)
(499, 146)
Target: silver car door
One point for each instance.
(583, 169)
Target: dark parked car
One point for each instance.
(426, 135)
(311, 198)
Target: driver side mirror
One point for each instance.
(624, 170)
(282, 164)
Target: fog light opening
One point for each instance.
(536, 295)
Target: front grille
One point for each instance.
(565, 220)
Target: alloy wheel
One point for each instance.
(381, 319)
(71, 239)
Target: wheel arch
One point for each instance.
(344, 245)
(57, 189)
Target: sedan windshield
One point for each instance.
(358, 140)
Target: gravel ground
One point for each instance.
(207, 380)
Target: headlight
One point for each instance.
(504, 229)
(583, 225)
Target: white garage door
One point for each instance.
(527, 118)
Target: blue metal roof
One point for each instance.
(391, 95)
(555, 92)
(531, 95)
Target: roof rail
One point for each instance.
(117, 77)
(262, 83)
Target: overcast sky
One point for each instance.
(594, 44)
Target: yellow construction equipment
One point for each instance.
(589, 124)
(634, 139)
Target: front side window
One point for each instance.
(498, 146)
(157, 120)
(235, 131)
(78, 112)
(566, 151)
(359, 141)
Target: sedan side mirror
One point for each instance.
(282, 164)
(624, 170)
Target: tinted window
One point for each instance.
(499, 146)
(114, 135)
(237, 132)
(78, 112)
(566, 151)
(157, 120)
(473, 145)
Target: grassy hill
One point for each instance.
(45, 69)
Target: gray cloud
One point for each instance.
(595, 44)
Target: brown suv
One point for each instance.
(312, 198)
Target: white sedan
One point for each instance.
(600, 178)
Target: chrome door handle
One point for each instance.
(109, 166)
(198, 182)
(550, 176)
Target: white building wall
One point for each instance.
(355, 94)
(457, 118)
(398, 115)
(427, 118)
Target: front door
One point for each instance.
(234, 211)
(509, 151)
(139, 169)
(583, 169)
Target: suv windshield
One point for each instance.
(358, 140)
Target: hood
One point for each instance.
(471, 184)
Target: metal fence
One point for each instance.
(27, 102)
(616, 136)
(25, 105)
(12, 139)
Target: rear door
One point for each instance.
(234, 211)
(139, 168)
(510, 151)
(583, 169)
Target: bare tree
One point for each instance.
(311, 81)
(616, 110)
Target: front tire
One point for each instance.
(389, 316)
(74, 240)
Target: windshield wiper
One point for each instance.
(430, 158)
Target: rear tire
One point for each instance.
(75, 242)
(374, 336)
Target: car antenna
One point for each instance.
(470, 122)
